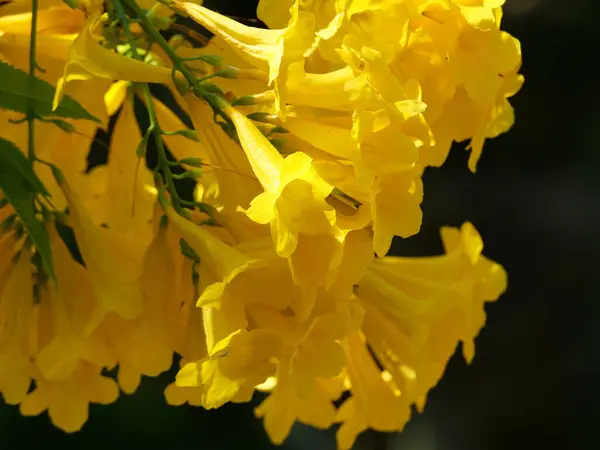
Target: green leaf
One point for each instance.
(19, 184)
(19, 91)
(62, 124)
(13, 160)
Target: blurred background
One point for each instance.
(536, 201)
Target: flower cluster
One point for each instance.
(308, 144)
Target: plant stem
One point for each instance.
(32, 67)
(216, 102)
(163, 161)
(162, 43)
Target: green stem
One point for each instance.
(32, 67)
(162, 43)
(216, 102)
(163, 161)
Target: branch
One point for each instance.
(32, 67)
(154, 127)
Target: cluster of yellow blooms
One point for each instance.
(312, 137)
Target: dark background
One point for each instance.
(536, 201)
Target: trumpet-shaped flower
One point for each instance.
(68, 401)
(416, 311)
(284, 407)
(66, 306)
(142, 345)
(269, 50)
(113, 261)
(16, 315)
(228, 182)
(237, 362)
(312, 139)
(294, 198)
(126, 206)
(375, 403)
(98, 66)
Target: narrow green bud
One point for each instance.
(262, 117)
(58, 175)
(190, 134)
(193, 174)
(161, 23)
(194, 162)
(278, 143)
(177, 40)
(182, 87)
(264, 130)
(246, 100)
(279, 129)
(213, 60)
(162, 200)
(142, 146)
(230, 72)
(209, 88)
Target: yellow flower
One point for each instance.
(98, 66)
(416, 312)
(239, 361)
(57, 27)
(481, 59)
(329, 17)
(143, 345)
(396, 207)
(452, 50)
(268, 50)
(324, 90)
(309, 360)
(126, 206)
(68, 401)
(284, 407)
(379, 26)
(482, 14)
(24, 6)
(237, 280)
(114, 262)
(375, 403)
(464, 118)
(16, 315)
(193, 345)
(383, 153)
(65, 307)
(228, 182)
(311, 347)
(293, 204)
(285, 286)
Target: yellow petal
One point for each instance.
(89, 60)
